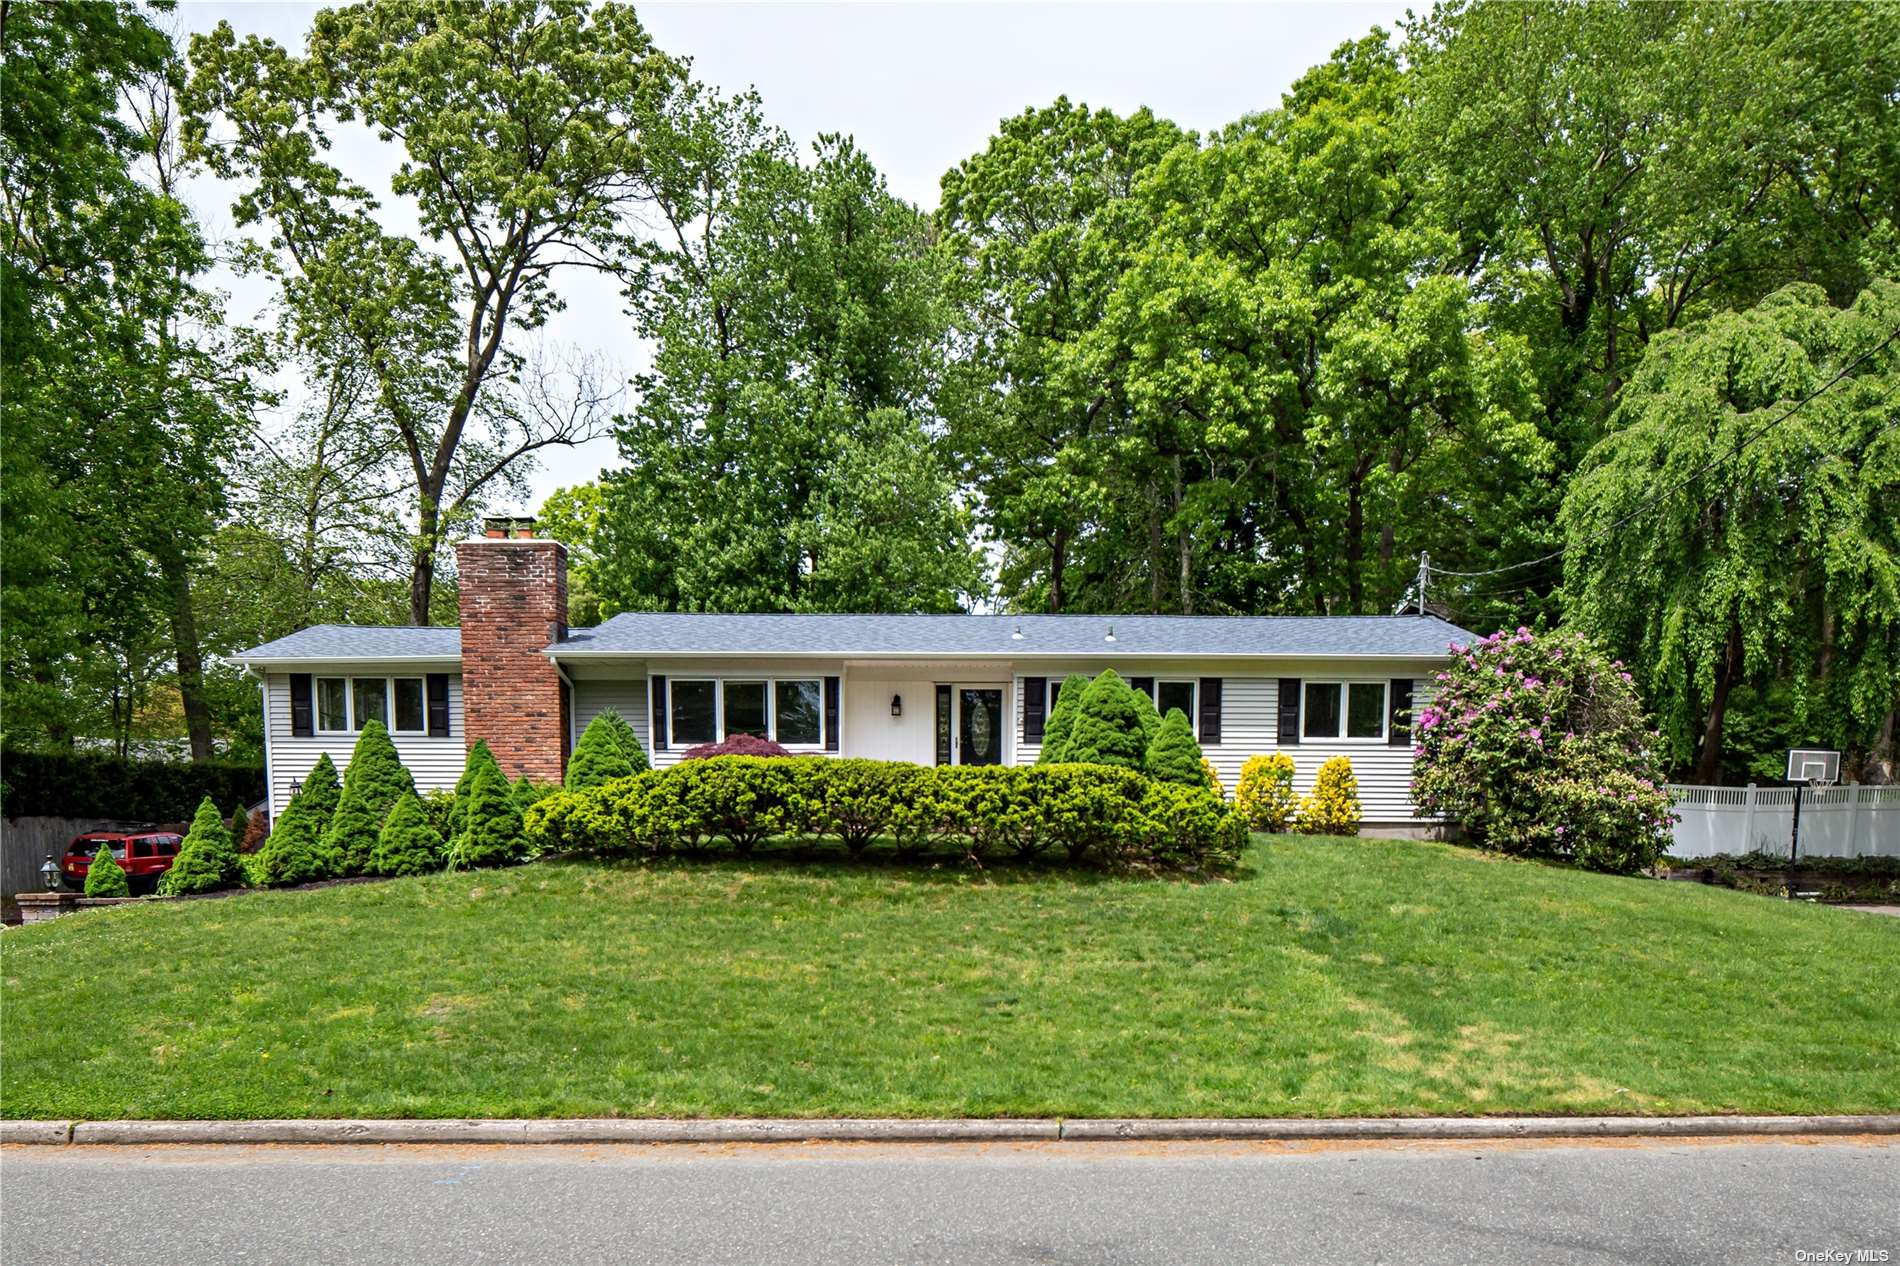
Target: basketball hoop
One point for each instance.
(1813, 768)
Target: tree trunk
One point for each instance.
(1183, 546)
(1058, 562)
(1355, 549)
(422, 567)
(189, 655)
(1708, 765)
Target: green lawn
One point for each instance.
(1331, 977)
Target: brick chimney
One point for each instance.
(513, 603)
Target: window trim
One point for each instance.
(1345, 685)
(771, 684)
(388, 719)
(1194, 700)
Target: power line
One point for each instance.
(1693, 475)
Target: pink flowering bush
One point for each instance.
(1536, 744)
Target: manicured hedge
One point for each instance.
(1111, 817)
(97, 784)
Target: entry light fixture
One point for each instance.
(1111, 634)
(897, 705)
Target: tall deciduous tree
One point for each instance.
(524, 129)
(781, 455)
(1725, 531)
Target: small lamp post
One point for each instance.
(50, 874)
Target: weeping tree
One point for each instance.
(1738, 525)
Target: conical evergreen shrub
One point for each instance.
(293, 854)
(208, 859)
(1108, 728)
(1150, 719)
(1174, 756)
(408, 845)
(491, 825)
(320, 792)
(240, 823)
(598, 757)
(629, 741)
(373, 783)
(1055, 732)
(478, 756)
(105, 877)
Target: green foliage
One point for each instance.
(491, 832)
(207, 860)
(1114, 817)
(526, 791)
(374, 782)
(1061, 721)
(105, 877)
(58, 784)
(1110, 727)
(408, 845)
(1779, 558)
(1537, 744)
(780, 456)
(320, 792)
(438, 806)
(1150, 716)
(1332, 807)
(239, 822)
(599, 757)
(479, 757)
(1173, 755)
(1265, 796)
(623, 733)
(294, 853)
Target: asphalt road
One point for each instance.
(1671, 1202)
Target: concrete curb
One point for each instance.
(795, 1130)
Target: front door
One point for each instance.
(979, 726)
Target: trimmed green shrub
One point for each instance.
(1150, 719)
(208, 859)
(293, 853)
(408, 845)
(629, 741)
(526, 791)
(1114, 816)
(66, 784)
(320, 792)
(105, 877)
(1055, 733)
(478, 756)
(491, 824)
(240, 822)
(438, 806)
(375, 780)
(598, 757)
(1109, 727)
(1173, 755)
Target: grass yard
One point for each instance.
(1331, 977)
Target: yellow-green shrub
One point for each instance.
(1213, 778)
(1333, 806)
(1264, 795)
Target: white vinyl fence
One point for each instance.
(1835, 821)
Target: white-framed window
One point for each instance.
(1355, 711)
(1182, 695)
(346, 704)
(787, 710)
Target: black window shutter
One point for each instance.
(1398, 731)
(658, 714)
(831, 714)
(438, 705)
(1035, 701)
(1146, 685)
(302, 721)
(1289, 711)
(1210, 710)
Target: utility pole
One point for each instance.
(1424, 574)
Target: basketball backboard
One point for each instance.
(1813, 765)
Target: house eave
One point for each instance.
(274, 663)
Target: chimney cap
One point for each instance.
(509, 528)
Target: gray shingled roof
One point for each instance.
(668, 633)
(360, 641)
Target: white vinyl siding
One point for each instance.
(432, 762)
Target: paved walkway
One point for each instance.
(1679, 1202)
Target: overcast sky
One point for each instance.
(921, 86)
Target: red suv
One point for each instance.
(144, 855)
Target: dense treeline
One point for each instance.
(1594, 305)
